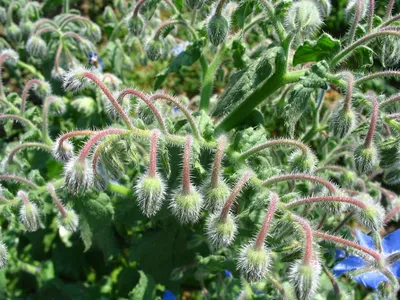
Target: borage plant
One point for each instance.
(245, 194)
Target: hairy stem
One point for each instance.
(387, 73)
(18, 179)
(308, 249)
(356, 20)
(374, 120)
(25, 92)
(216, 168)
(25, 146)
(57, 201)
(186, 182)
(273, 204)
(153, 153)
(23, 120)
(319, 199)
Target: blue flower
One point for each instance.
(168, 295)
(228, 273)
(179, 48)
(372, 279)
(95, 61)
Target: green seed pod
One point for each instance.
(69, 221)
(154, 49)
(217, 29)
(391, 176)
(3, 255)
(221, 233)
(186, 206)
(150, 193)
(253, 263)
(194, 4)
(365, 159)
(135, 24)
(14, 33)
(36, 47)
(301, 162)
(389, 152)
(305, 278)
(342, 122)
(215, 197)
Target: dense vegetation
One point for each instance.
(193, 149)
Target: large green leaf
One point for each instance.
(186, 58)
(145, 289)
(239, 16)
(313, 51)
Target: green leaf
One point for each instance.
(178, 4)
(241, 13)
(186, 58)
(145, 289)
(313, 51)
(239, 55)
(363, 56)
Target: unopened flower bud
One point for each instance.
(29, 213)
(43, 89)
(74, 80)
(194, 4)
(150, 193)
(351, 8)
(11, 56)
(3, 15)
(110, 109)
(302, 162)
(63, 151)
(303, 18)
(68, 220)
(187, 206)
(14, 33)
(109, 15)
(78, 175)
(215, 197)
(305, 278)
(365, 158)
(135, 24)
(253, 262)
(348, 178)
(324, 6)
(93, 33)
(154, 49)
(371, 216)
(3, 255)
(217, 29)
(36, 47)
(220, 232)
(26, 28)
(343, 122)
(145, 113)
(58, 73)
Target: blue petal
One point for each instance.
(371, 279)
(228, 274)
(348, 264)
(365, 240)
(391, 242)
(168, 295)
(340, 254)
(395, 268)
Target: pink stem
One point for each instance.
(267, 221)
(391, 214)
(137, 7)
(153, 153)
(25, 91)
(74, 133)
(95, 138)
(57, 200)
(239, 186)
(312, 178)
(186, 165)
(374, 119)
(216, 169)
(308, 250)
(24, 197)
(18, 179)
(349, 200)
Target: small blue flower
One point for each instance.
(340, 254)
(168, 295)
(228, 273)
(179, 48)
(95, 61)
(372, 279)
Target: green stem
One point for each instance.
(30, 69)
(66, 6)
(206, 90)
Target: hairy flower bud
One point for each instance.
(63, 151)
(26, 28)
(303, 18)
(145, 113)
(74, 79)
(389, 152)
(154, 49)
(352, 7)
(217, 29)
(348, 178)
(215, 197)
(305, 278)
(194, 4)
(78, 175)
(3, 255)
(253, 262)
(135, 24)
(3, 15)
(36, 47)
(150, 193)
(93, 33)
(371, 216)
(365, 158)
(343, 122)
(68, 220)
(43, 89)
(29, 214)
(186, 206)
(324, 6)
(220, 232)
(14, 33)
(302, 162)
(391, 176)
